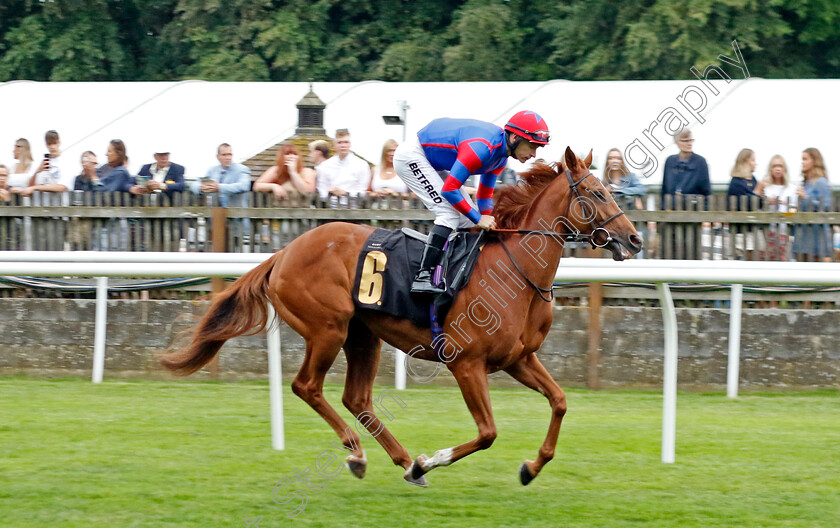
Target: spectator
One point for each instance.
(384, 181)
(507, 177)
(113, 176)
(5, 195)
(684, 174)
(813, 242)
(87, 180)
(781, 196)
(624, 185)
(286, 175)
(162, 175)
(49, 176)
(23, 172)
(744, 183)
(319, 152)
(80, 230)
(836, 243)
(345, 173)
(231, 181)
(780, 193)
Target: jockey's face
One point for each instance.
(525, 151)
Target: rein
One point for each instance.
(540, 291)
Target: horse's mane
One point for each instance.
(513, 201)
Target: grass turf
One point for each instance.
(190, 454)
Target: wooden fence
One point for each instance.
(689, 227)
(707, 228)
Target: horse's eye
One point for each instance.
(599, 195)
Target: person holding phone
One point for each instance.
(87, 180)
(49, 176)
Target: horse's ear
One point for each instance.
(588, 160)
(571, 159)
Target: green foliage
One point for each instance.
(488, 44)
(658, 39)
(66, 41)
(415, 60)
(411, 40)
(25, 57)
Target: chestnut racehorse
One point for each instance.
(310, 284)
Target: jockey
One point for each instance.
(446, 152)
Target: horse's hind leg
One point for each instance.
(362, 350)
(531, 373)
(308, 385)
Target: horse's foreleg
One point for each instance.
(472, 379)
(531, 373)
(362, 349)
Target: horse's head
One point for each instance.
(592, 210)
(569, 199)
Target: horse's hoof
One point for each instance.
(416, 470)
(357, 465)
(420, 481)
(525, 475)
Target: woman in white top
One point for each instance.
(781, 196)
(780, 193)
(384, 181)
(22, 173)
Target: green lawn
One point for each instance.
(155, 454)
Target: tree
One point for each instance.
(66, 41)
(411, 40)
(488, 45)
(291, 44)
(656, 39)
(415, 60)
(11, 14)
(814, 47)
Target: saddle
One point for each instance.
(388, 262)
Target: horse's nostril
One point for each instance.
(636, 241)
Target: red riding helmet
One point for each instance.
(530, 126)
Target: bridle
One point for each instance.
(597, 226)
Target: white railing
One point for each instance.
(660, 272)
(130, 264)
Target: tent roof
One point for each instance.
(190, 118)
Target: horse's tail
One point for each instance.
(240, 309)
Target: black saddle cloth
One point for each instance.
(388, 263)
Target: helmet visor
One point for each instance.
(541, 137)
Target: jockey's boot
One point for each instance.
(432, 256)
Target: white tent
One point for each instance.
(191, 118)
